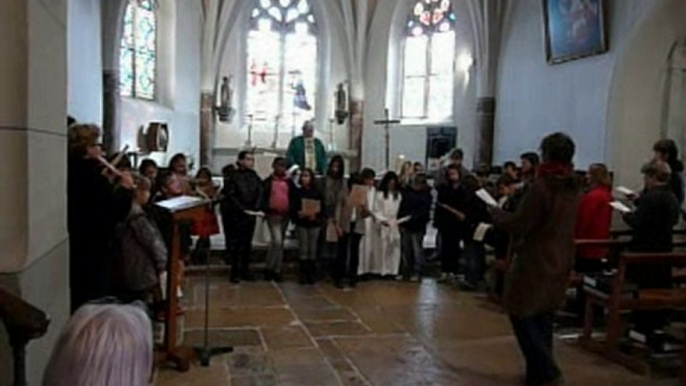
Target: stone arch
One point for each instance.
(637, 91)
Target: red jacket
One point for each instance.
(594, 220)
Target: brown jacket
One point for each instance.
(542, 230)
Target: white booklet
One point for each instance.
(181, 203)
(620, 207)
(254, 213)
(625, 191)
(481, 230)
(486, 197)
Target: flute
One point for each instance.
(115, 161)
(109, 167)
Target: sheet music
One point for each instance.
(481, 230)
(486, 197)
(180, 203)
(620, 207)
(403, 220)
(625, 191)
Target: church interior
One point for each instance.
(358, 192)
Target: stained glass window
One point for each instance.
(282, 63)
(138, 55)
(427, 89)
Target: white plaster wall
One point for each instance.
(381, 80)
(638, 88)
(13, 79)
(535, 99)
(47, 103)
(179, 88)
(332, 61)
(85, 62)
(33, 238)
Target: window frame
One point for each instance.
(282, 68)
(427, 75)
(135, 8)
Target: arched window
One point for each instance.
(282, 63)
(427, 82)
(138, 56)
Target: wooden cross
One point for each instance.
(387, 122)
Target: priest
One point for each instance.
(307, 151)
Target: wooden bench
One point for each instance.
(616, 305)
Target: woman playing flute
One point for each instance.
(95, 204)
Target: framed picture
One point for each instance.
(574, 29)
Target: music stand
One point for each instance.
(205, 352)
(183, 209)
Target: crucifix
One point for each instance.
(276, 131)
(387, 122)
(248, 142)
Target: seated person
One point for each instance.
(106, 345)
(657, 211)
(594, 218)
(656, 214)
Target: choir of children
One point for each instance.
(378, 228)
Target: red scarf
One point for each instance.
(558, 169)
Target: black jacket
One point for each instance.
(676, 181)
(242, 191)
(656, 214)
(456, 198)
(297, 196)
(417, 205)
(94, 207)
(498, 238)
(476, 212)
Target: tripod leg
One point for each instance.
(205, 352)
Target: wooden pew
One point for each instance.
(648, 299)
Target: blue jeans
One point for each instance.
(413, 252)
(277, 231)
(475, 256)
(535, 337)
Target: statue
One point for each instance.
(225, 109)
(341, 104)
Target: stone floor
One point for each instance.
(382, 333)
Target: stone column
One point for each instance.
(206, 127)
(488, 19)
(111, 103)
(485, 111)
(112, 28)
(34, 248)
(356, 128)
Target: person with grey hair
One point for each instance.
(103, 345)
(657, 211)
(306, 151)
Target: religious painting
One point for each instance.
(574, 29)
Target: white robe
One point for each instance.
(367, 263)
(384, 251)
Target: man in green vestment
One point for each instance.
(306, 151)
